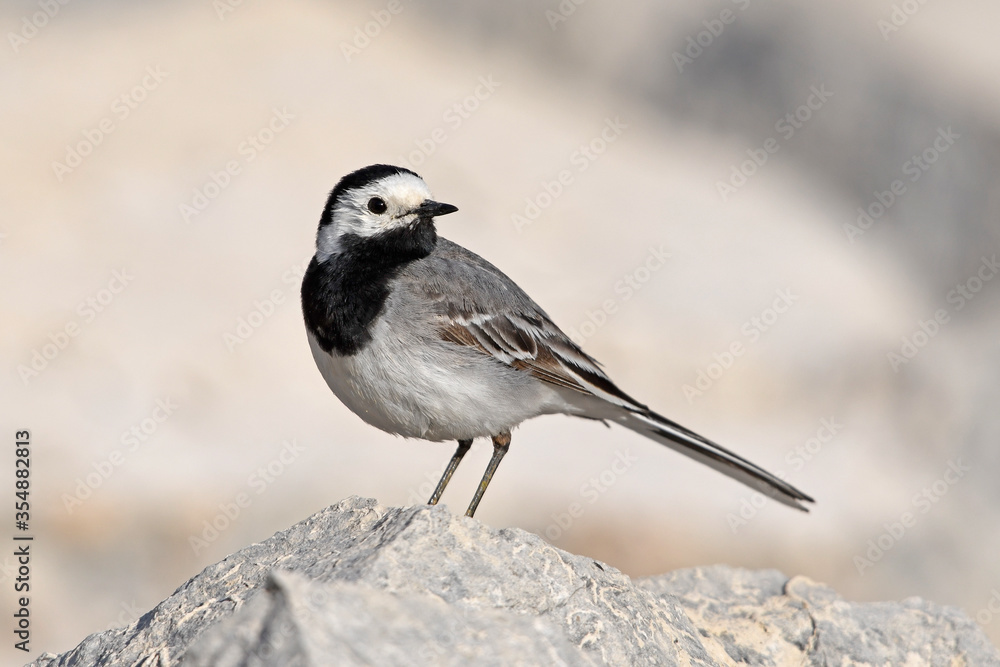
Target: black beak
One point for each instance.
(431, 208)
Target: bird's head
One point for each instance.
(378, 201)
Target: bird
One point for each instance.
(425, 339)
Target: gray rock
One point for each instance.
(765, 618)
(300, 620)
(361, 584)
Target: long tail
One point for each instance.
(691, 444)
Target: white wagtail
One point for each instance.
(424, 339)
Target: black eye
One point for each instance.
(377, 205)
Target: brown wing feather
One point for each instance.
(543, 351)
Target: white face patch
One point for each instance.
(402, 193)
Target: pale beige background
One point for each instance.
(222, 78)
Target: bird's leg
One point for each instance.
(463, 447)
(501, 443)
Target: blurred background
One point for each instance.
(774, 223)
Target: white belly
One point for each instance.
(435, 391)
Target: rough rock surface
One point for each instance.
(361, 584)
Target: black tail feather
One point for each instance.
(729, 463)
